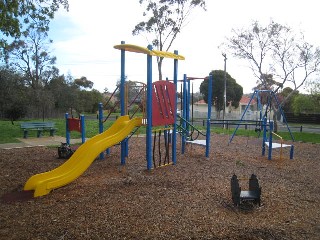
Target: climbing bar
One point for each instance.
(167, 140)
(153, 150)
(166, 134)
(159, 147)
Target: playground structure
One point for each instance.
(266, 124)
(161, 108)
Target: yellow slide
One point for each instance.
(82, 158)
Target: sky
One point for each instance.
(83, 38)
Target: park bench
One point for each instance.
(253, 194)
(39, 127)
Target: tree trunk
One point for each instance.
(159, 60)
(275, 122)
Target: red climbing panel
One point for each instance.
(163, 103)
(74, 124)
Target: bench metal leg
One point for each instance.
(39, 133)
(52, 132)
(25, 133)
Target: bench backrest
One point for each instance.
(37, 125)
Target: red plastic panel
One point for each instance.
(163, 103)
(74, 124)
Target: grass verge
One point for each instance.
(11, 132)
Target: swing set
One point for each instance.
(266, 125)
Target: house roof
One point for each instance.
(201, 102)
(245, 100)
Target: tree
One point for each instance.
(304, 104)
(65, 93)
(275, 50)
(31, 57)
(313, 87)
(165, 19)
(18, 16)
(234, 90)
(287, 106)
(13, 95)
(88, 101)
(83, 82)
(277, 57)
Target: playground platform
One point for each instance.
(36, 142)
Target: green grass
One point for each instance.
(298, 136)
(9, 133)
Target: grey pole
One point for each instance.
(225, 88)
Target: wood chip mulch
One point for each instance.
(190, 200)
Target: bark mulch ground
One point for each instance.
(191, 200)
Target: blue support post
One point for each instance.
(122, 101)
(234, 132)
(100, 119)
(208, 132)
(174, 134)
(83, 129)
(184, 114)
(127, 146)
(149, 111)
(282, 113)
(67, 129)
(264, 136)
(188, 103)
(122, 81)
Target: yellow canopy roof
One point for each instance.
(138, 49)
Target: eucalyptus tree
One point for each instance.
(278, 56)
(30, 55)
(20, 16)
(165, 20)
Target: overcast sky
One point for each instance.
(84, 38)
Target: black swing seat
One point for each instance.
(253, 194)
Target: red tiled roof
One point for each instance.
(245, 100)
(201, 102)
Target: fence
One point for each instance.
(303, 118)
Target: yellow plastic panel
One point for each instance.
(138, 49)
(133, 48)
